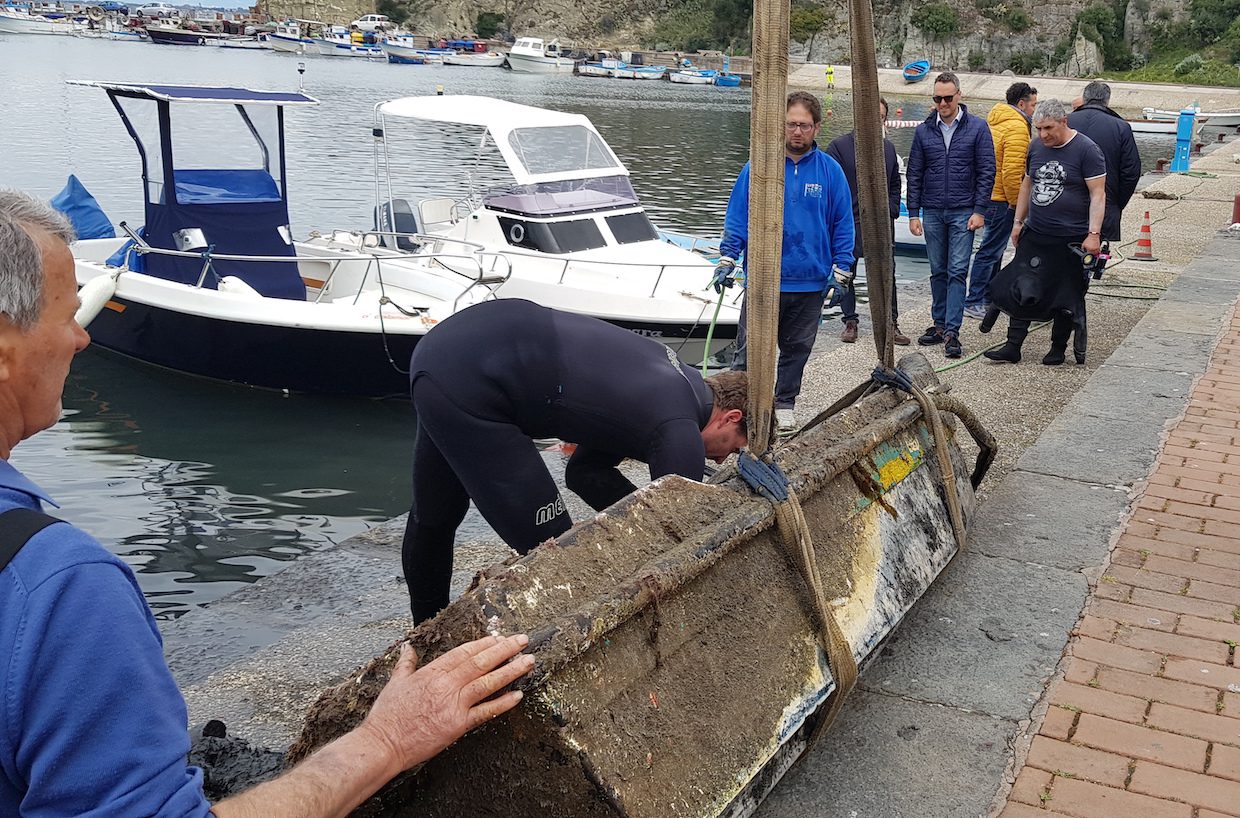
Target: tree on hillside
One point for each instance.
(938, 21)
(1210, 19)
(807, 21)
(731, 23)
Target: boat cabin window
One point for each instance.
(561, 149)
(632, 227)
(552, 237)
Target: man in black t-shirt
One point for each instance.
(492, 377)
(1062, 202)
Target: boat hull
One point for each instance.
(525, 64)
(475, 60)
(289, 45)
(691, 78)
(328, 48)
(12, 23)
(640, 618)
(916, 71)
(168, 36)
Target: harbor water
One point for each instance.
(202, 487)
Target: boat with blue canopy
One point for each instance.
(214, 285)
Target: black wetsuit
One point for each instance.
(493, 376)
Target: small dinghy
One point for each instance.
(916, 70)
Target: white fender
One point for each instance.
(235, 286)
(93, 295)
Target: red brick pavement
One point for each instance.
(1146, 719)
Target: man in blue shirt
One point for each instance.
(91, 721)
(951, 170)
(817, 247)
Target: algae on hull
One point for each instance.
(676, 650)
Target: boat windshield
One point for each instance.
(561, 149)
(564, 198)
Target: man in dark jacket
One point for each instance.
(951, 170)
(843, 149)
(1113, 135)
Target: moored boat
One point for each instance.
(1218, 119)
(176, 35)
(916, 70)
(531, 55)
(693, 76)
(214, 285)
(477, 59)
(14, 21)
(294, 36)
(337, 44)
(403, 53)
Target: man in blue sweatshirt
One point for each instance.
(91, 721)
(951, 170)
(817, 246)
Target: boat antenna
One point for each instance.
(301, 77)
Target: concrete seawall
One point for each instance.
(1129, 96)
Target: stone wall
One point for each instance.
(340, 12)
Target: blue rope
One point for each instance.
(763, 476)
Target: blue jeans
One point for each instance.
(995, 238)
(799, 316)
(949, 243)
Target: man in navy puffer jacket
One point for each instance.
(951, 170)
(817, 246)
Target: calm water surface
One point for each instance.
(203, 487)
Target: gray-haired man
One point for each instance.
(1114, 136)
(93, 721)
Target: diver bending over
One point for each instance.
(492, 377)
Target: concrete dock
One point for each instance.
(945, 719)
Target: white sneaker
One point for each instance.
(786, 420)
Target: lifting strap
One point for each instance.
(17, 526)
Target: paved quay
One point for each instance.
(941, 722)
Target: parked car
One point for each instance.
(374, 22)
(158, 11)
(114, 7)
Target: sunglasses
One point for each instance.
(938, 99)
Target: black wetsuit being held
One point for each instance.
(493, 376)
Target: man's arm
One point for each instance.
(984, 156)
(592, 475)
(913, 175)
(1129, 169)
(1097, 210)
(418, 714)
(1022, 208)
(893, 179)
(841, 230)
(736, 221)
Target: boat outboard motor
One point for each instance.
(396, 216)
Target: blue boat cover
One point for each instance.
(127, 256)
(240, 212)
(88, 219)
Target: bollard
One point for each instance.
(1220, 137)
(1235, 209)
(1160, 165)
(1183, 140)
(1197, 147)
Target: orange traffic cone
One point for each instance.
(1145, 248)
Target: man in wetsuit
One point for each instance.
(492, 377)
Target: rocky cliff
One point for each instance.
(1028, 36)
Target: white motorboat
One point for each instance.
(341, 45)
(402, 51)
(478, 59)
(13, 21)
(640, 72)
(693, 76)
(213, 284)
(256, 43)
(295, 36)
(1154, 126)
(530, 55)
(545, 194)
(593, 69)
(1217, 119)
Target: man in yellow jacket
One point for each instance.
(1010, 131)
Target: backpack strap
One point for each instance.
(17, 526)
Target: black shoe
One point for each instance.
(951, 345)
(1079, 354)
(932, 335)
(1008, 353)
(1055, 357)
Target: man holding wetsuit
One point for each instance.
(492, 377)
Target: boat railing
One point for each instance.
(567, 265)
(491, 275)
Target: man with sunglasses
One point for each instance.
(951, 171)
(817, 249)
